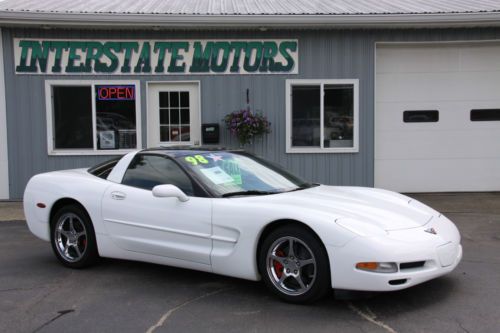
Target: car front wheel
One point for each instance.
(294, 265)
(73, 238)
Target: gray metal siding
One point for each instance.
(329, 54)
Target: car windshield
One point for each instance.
(231, 174)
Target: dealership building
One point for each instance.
(401, 94)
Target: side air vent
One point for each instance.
(397, 282)
(408, 265)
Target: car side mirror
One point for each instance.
(169, 191)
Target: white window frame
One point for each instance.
(288, 104)
(92, 83)
(4, 153)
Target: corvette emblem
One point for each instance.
(431, 231)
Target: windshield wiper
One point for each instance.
(303, 187)
(250, 192)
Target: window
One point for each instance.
(92, 117)
(102, 170)
(322, 116)
(421, 116)
(147, 171)
(485, 115)
(174, 116)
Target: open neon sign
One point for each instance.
(116, 93)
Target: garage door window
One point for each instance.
(92, 117)
(485, 115)
(322, 116)
(421, 116)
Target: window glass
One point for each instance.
(306, 117)
(485, 115)
(331, 105)
(339, 115)
(115, 117)
(147, 171)
(74, 112)
(174, 116)
(102, 170)
(72, 117)
(421, 116)
(226, 172)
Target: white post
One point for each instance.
(4, 157)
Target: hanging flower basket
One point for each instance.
(246, 125)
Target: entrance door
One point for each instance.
(173, 114)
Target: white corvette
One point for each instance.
(230, 213)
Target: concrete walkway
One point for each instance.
(11, 211)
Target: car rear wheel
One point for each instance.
(73, 238)
(294, 265)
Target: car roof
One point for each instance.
(187, 150)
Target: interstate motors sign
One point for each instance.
(150, 57)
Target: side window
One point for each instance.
(147, 171)
(103, 170)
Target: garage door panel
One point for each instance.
(451, 58)
(402, 87)
(390, 116)
(417, 59)
(480, 58)
(437, 176)
(438, 145)
(454, 153)
(452, 115)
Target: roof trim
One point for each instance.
(247, 21)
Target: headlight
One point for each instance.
(378, 267)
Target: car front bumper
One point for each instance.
(440, 255)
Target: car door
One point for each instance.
(137, 221)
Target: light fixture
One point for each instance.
(378, 267)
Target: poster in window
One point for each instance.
(107, 140)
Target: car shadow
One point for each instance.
(420, 296)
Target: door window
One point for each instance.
(147, 171)
(174, 116)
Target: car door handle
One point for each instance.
(118, 195)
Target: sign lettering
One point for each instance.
(150, 57)
(116, 93)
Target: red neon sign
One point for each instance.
(116, 93)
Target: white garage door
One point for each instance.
(437, 117)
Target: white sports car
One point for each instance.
(231, 213)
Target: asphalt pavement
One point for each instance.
(37, 294)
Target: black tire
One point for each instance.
(82, 251)
(304, 242)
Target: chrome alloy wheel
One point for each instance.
(71, 237)
(291, 266)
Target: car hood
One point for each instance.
(384, 209)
